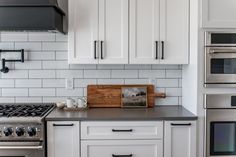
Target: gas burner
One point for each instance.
(24, 110)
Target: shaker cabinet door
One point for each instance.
(113, 31)
(174, 34)
(63, 139)
(180, 139)
(218, 13)
(144, 31)
(83, 31)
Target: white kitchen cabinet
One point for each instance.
(218, 13)
(159, 31)
(63, 139)
(180, 139)
(174, 31)
(144, 31)
(132, 148)
(122, 130)
(98, 31)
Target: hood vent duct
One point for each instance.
(34, 15)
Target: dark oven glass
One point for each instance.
(223, 138)
(223, 38)
(223, 66)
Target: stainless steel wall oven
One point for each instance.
(220, 125)
(220, 59)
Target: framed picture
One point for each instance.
(134, 97)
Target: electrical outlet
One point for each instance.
(69, 83)
(152, 81)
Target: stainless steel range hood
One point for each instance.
(34, 15)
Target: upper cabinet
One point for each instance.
(218, 13)
(159, 31)
(98, 31)
(128, 31)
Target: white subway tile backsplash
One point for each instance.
(7, 99)
(55, 65)
(42, 78)
(28, 83)
(168, 101)
(110, 81)
(82, 66)
(109, 67)
(137, 67)
(14, 92)
(173, 73)
(28, 65)
(61, 37)
(28, 100)
(174, 92)
(54, 83)
(124, 74)
(165, 83)
(136, 81)
(42, 74)
(151, 73)
(69, 74)
(7, 45)
(14, 36)
(83, 83)
(61, 55)
(41, 56)
(69, 93)
(97, 74)
(15, 74)
(42, 92)
(29, 46)
(42, 36)
(6, 83)
(55, 46)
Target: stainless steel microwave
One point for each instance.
(220, 59)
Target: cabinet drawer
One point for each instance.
(135, 148)
(122, 130)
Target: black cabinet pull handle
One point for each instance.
(63, 124)
(157, 46)
(130, 155)
(95, 49)
(115, 130)
(187, 124)
(162, 49)
(102, 50)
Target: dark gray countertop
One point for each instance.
(116, 114)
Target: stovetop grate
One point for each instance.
(24, 110)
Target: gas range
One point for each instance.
(22, 129)
(23, 121)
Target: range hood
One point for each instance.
(34, 15)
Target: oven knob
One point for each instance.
(20, 131)
(32, 131)
(8, 131)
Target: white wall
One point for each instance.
(42, 77)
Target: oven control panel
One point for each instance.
(18, 131)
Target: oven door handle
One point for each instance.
(212, 51)
(21, 147)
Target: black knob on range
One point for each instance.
(8, 131)
(20, 131)
(31, 131)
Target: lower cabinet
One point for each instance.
(122, 148)
(121, 139)
(180, 139)
(63, 139)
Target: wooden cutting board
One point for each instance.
(110, 95)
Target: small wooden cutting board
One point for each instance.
(110, 95)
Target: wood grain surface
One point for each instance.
(110, 95)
